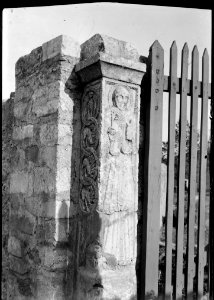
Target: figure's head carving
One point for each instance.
(121, 97)
(93, 255)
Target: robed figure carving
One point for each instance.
(121, 130)
(120, 189)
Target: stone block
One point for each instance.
(64, 134)
(14, 246)
(63, 178)
(47, 156)
(18, 265)
(28, 64)
(64, 153)
(47, 92)
(23, 132)
(102, 43)
(48, 134)
(24, 94)
(15, 201)
(50, 285)
(25, 287)
(44, 180)
(45, 100)
(105, 65)
(52, 231)
(31, 153)
(20, 109)
(18, 162)
(21, 182)
(45, 231)
(63, 45)
(51, 135)
(53, 258)
(66, 102)
(23, 221)
(42, 107)
(65, 117)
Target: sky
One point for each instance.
(25, 29)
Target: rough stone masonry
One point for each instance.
(70, 162)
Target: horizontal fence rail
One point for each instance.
(188, 87)
(184, 261)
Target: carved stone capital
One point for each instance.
(103, 56)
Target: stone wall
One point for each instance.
(72, 136)
(8, 151)
(46, 109)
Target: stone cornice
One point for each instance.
(105, 65)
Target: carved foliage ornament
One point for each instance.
(89, 151)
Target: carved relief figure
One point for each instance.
(89, 274)
(121, 130)
(120, 190)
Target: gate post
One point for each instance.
(152, 98)
(43, 150)
(111, 74)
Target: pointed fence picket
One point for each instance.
(170, 170)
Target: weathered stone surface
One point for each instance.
(102, 43)
(31, 153)
(60, 45)
(47, 156)
(7, 157)
(22, 132)
(54, 259)
(28, 64)
(14, 246)
(51, 285)
(48, 134)
(109, 168)
(18, 265)
(63, 179)
(44, 180)
(18, 163)
(24, 94)
(21, 182)
(104, 65)
(40, 180)
(74, 166)
(64, 134)
(102, 56)
(46, 99)
(22, 221)
(20, 109)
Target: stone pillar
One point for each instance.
(111, 74)
(44, 172)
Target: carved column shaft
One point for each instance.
(109, 167)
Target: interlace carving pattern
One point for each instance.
(89, 152)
